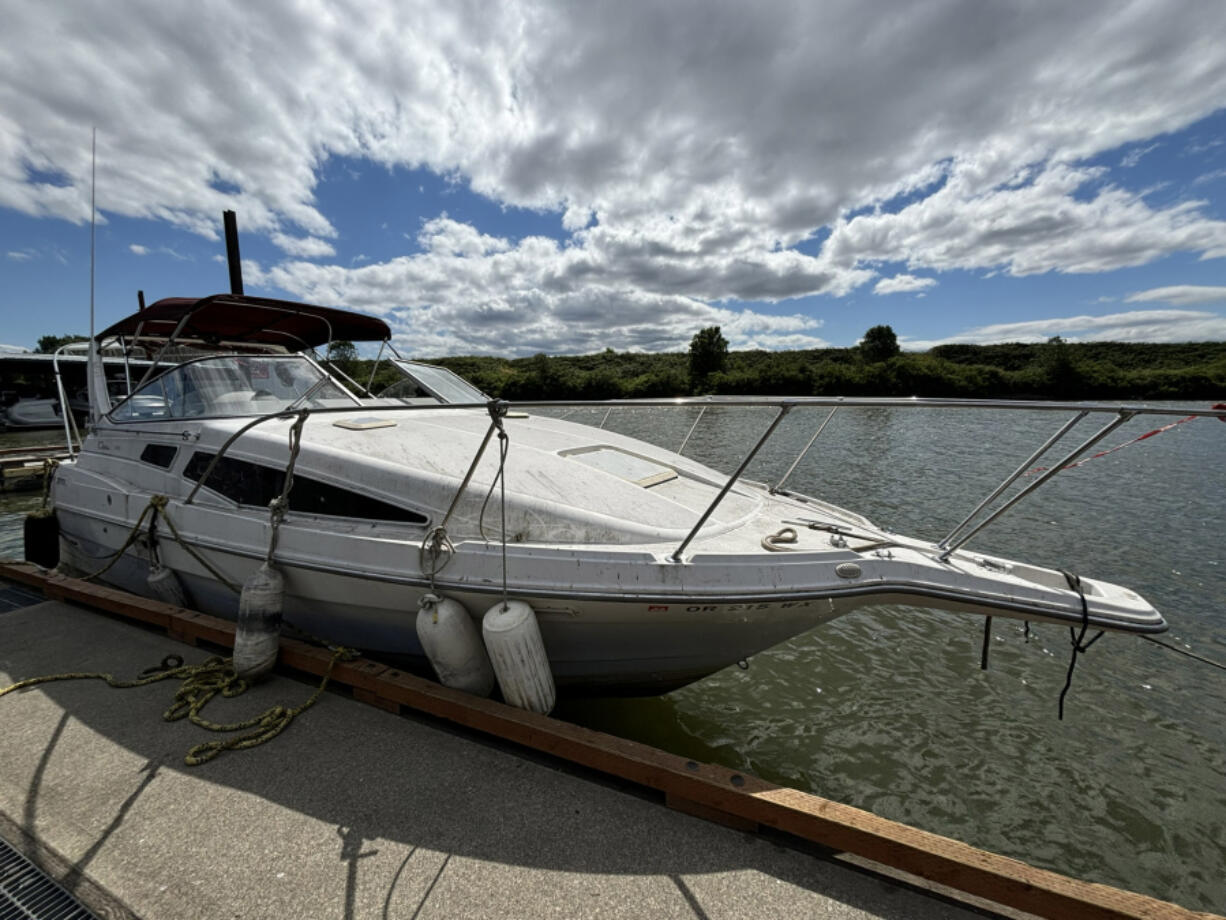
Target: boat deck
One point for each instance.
(357, 811)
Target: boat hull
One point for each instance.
(595, 645)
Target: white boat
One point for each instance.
(61, 373)
(646, 569)
(33, 412)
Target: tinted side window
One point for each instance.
(162, 455)
(253, 484)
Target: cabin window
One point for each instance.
(256, 485)
(162, 455)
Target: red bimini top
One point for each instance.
(238, 318)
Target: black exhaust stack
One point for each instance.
(232, 258)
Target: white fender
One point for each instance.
(517, 652)
(450, 639)
(164, 584)
(258, 636)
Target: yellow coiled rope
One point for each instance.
(200, 683)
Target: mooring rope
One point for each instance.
(503, 444)
(200, 684)
(279, 505)
(780, 540)
(1185, 652)
(437, 545)
(500, 479)
(132, 536)
(1074, 583)
(49, 466)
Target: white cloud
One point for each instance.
(446, 237)
(308, 247)
(1134, 156)
(12, 350)
(1029, 228)
(138, 249)
(20, 255)
(470, 293)
(903, 284)
(1132, 326)
(1181, 295)
(685, 149)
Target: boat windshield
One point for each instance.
(426, 383)
(233, 385)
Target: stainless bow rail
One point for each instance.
(960, 534)
(956, 538)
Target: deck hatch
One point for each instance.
(623, 465)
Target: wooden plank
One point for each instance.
(112, 600)
(15, 472)
(26, 573)
(58, 449)
(685, 806)
(374, 699)
(190, 627)
(704, 789)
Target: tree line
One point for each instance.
(1055, 369)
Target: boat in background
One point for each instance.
(645, 569)
(35, 387)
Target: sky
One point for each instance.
(521, 177)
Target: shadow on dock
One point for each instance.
(405, 804)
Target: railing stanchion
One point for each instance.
(801, 455)
(701, 413)
(1026, 464)
(1124, 416)
(784, 409)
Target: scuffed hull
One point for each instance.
(594, 646)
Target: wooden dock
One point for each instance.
(705, 790)
(23, 468)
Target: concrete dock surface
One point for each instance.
(354, 812)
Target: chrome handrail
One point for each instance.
(946, 547)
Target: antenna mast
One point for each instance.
(99, 397)
(93, 185)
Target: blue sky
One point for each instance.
(539, 177)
